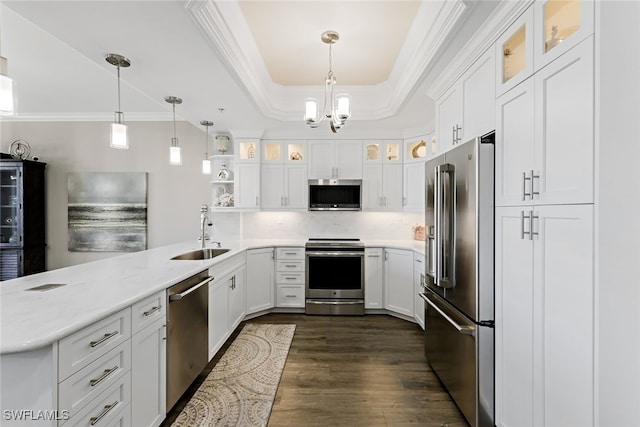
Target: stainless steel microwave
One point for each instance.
(335, 194)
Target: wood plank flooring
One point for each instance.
(353, 371)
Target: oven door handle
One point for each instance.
(334, 253)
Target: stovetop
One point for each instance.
(333, 242)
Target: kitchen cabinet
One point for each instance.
(398, 283)
(23, 218)
(290, 276)
(544, 284)
(149, 361)
(260, 279)
(548, 160)
(237, 290)
(465, 110)
(335, 159)
(560, 25)
(382, 187)
(284, 186)
(247, 194)
(514, 53)
(414, 187)
(382, 151)
(418, 282)
(226, 307)
(239, 186)
(373, 278)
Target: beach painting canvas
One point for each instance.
(107, 211)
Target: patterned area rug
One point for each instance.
(240, 389)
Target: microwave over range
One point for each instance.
(335, 194)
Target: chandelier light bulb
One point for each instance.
(311, 110)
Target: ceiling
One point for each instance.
(247, 65)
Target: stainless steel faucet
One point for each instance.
(204, 221)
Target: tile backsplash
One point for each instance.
(302, 225)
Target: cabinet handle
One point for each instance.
(290, 296)
(458, 137)
(290, 265)
(404, 201)
(419, 260)
(150, 312)
(105, 411)
(532, 217)
(290, 278)
(373, 256)
(291, 253)
(453, 135)
(103, 339)
(522, 232)
(281, 201)
(386, 256)
(533, 192)
(286, 200)
(102, 377)
(273, 254)
(525, 178)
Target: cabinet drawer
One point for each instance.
(111, 408)
(82, 387)
(83, 347)
(289, 253)
(289, 265)
(147, 311)
(290, 278)
(290, 296)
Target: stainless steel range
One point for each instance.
(334, 282)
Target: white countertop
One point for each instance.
(94, 290)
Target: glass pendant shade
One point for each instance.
(175, 157)
(343, 110)
(119, 137)
(6, 90)
(310, 110)
(206, 167)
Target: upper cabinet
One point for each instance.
(560, 25)
(290, 151)
(335, 159)
(236, 174)
(514, 53)
(382, 151)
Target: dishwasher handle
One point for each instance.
(176, 297)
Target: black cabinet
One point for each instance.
(22, 218)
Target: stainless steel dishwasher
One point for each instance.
(187, 338)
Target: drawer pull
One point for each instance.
(150, 312)
(103, 339)
(290, 265)
(102, 377)
(291, 253)
(290, 296)
(290, 278)
(105, 411)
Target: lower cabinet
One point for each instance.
(290, 272)
(260, 279)
(398, 269)
(373, 278)
(226, 307)
(544, 345)
(418, 281)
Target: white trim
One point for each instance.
(87, 117)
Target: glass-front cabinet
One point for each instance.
(284, 151)
(223, 172)
(387, 151)
(514, 53)
(11, 205)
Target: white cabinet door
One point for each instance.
(296, 186)
(544, 284)
(348, 159)
(392, 187)
(373, 278)
(271, 176)
(514, 149)
(149, 375)
(564, 298)
(260, 279)
(247, 193)
(513, 319)
(218, 315)
(321, 164)
(418, 277)
(564, 114)
(414, 187)
(237, 289)
(449, 118)
(479, 97)
(399, 281)
(372, 187)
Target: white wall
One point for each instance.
(618, 214)
(175, 193)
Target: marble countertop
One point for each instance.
(94, 290)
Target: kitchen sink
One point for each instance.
(201, 254)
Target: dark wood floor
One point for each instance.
(353, 371)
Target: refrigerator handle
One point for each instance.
(437, 213)
(445, 225)
(466, 330)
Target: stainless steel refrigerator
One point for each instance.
(459, 285)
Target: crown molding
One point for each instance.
(86, 117)
(224, 26)
(483, 39)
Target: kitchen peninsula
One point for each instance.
(36, 326)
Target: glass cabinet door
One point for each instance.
(514, 53)
(10, 206)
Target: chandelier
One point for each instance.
(335, 108)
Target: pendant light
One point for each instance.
(206, 163)
(175, 158)
(6, 89)
(119, 138)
